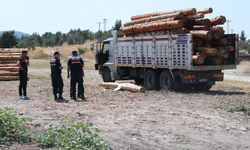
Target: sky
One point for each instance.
(30, 16)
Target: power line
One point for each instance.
(104, 22)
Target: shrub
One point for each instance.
(73, 136)
(81, 50)
(13, 128)
(243, 108)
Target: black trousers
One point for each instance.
(57, 83)
(78, 93)
(76, 77)
(23, 83)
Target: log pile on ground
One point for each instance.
(9, 70)
(210, 46)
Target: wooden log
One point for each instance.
(9, 78)
(214, 61)
(220, 29)
(229, 48)
(200, 27)
(170, 17)
(222, 53)
(219, 20)
(205, 11)
(10, 51)
(8, 65)
(151, 27)
(203, 54)
(198, 41)
(203, 22)
(190, 11)
(220, 42)
(9, 74)
(126, 87)
(9, 57)
(207, 50)
(11, 54)
(218, 34)
(196, 16)
(207, 35)
(8, 61)
(9, 68)
(198, 59)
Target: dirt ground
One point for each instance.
(146, 121)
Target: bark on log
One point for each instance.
(207, 50)
(219, 20)
(229, 48)
(10, 51)
(196, 16)
(170, 17)
(9, 74)
(190, 11)
(9, 68)
(206, 22)
(221, 42)
(198, 42)
(222, 53)
(151, 27)
(207, 35)
(8, 65)
(198, 59)
(9, 57)
(214, 61)
(205, 11)
(126, 87)
(218, 34)
(8, 61)
(200, 27)
(220, 29)
(9, 78)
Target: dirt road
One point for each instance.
(151, 120)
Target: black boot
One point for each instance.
(60, 97)
(83, 97)
(55, 97)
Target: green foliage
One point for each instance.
(13, 128)
(72, 135)
(117, 26)
(245, 45)
(243, 36)
(81, 50)
(243, 108)
(8, 39)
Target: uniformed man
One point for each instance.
(56, 70)
(75, 66)
(23, 63)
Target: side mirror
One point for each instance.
(92, 47)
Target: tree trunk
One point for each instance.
(196, 16)
(220, 42)
(190, 11)
(214, 61)
(207, 50)
(10, 51)
(9, 57)
(8, 61)
(152, 27)
(222, 53)
(219, 20)
(126, 87)
(167, 17)
(8, 65)
(9, 68)
(207, 35)
(9, 78)
(205, 11)
(198, 59)
(9, 74)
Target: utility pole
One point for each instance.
(99, 25)
(228, 21)
(232, 30)
(104, 22)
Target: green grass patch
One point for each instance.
(82, 50)
(242, 108)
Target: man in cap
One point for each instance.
(75, 66)
(23, 63)
(56, 77)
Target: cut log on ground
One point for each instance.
(9, 57)
(9, 68)
(206, 35)
(205, 11)
(222, 53)
(152, 27)
(229, 48)
(9, 78)
(8, 61)
(170, 17)
(10, 51)
(198, 59)
(207, 50)
(9, 74)
(220, 42)
(126, 87)
(190, 11)
(214, 61)
(219, 20)
(8, 65)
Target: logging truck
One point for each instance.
(160, 61)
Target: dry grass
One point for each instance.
(244, 85)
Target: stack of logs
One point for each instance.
(9, 70)
(209, 45)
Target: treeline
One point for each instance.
(76, 36)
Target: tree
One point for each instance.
(118, 24)
(8, 39)
(243, 36)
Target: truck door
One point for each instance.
(105, 52)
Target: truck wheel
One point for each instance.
(201, 87)
(166, 80)
(139, 81)
(151, 80)
(106, 75)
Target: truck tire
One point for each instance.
(166, 81)
(106, 75)
(139, 81)
(201, 87)
(151, 80)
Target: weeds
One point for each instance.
(242, 108)
(82, 50)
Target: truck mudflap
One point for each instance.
(201, 78)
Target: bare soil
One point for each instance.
(151, 120)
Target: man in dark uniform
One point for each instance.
(79, 94)
(23, 63)
(56, 70)
(75, 65)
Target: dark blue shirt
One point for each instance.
(55, 64)
(75, 63)
(23, 63)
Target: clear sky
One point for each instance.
(40, 16)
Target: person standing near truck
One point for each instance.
(75, 66)
(23, 63)
(56, 77)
